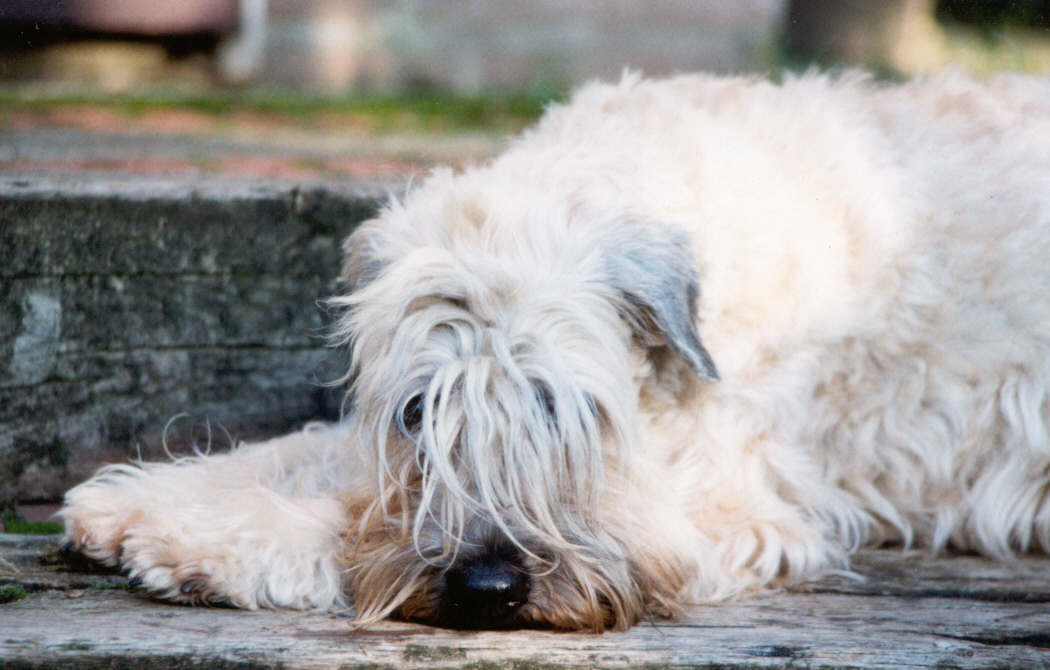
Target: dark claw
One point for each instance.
(191, 586)
(69, 547)
(136, 582)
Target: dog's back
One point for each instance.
(875, 271)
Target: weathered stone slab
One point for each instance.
(127, 302)
(945, 613)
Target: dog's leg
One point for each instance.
(753, 492)
(261, 526)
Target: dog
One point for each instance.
(685, 340)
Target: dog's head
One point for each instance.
(498, 354)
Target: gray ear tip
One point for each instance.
(711, 374)
(704, 365)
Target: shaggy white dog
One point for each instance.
(537, 434)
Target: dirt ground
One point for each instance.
(179, 141)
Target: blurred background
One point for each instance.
(337, 88)
(341, 47)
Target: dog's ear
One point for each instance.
(652, 266)
(361, 262)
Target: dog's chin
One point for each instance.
(560, 616)
(454, 618)
(502, 594)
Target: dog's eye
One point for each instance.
(411, 417)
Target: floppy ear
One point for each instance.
(653, 268)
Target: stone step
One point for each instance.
(140, 315)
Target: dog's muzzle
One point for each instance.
(485, 591)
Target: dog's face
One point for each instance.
(495, 379)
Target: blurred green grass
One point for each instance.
(14, 523)
(410, 112)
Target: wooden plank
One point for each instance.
(908, 612)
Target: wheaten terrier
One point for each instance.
(538, 434)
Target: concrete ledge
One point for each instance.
(125, 302)
(908, 612)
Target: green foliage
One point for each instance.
(111, 586)
(9, 593)
(19, 526)
(423, 111)
(991, 15)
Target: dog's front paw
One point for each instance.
(99, 513)
(177, 533)
(162, 558)
(255, 550)
(135, 519)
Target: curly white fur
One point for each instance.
(683, 340)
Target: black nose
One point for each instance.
(485, 591)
